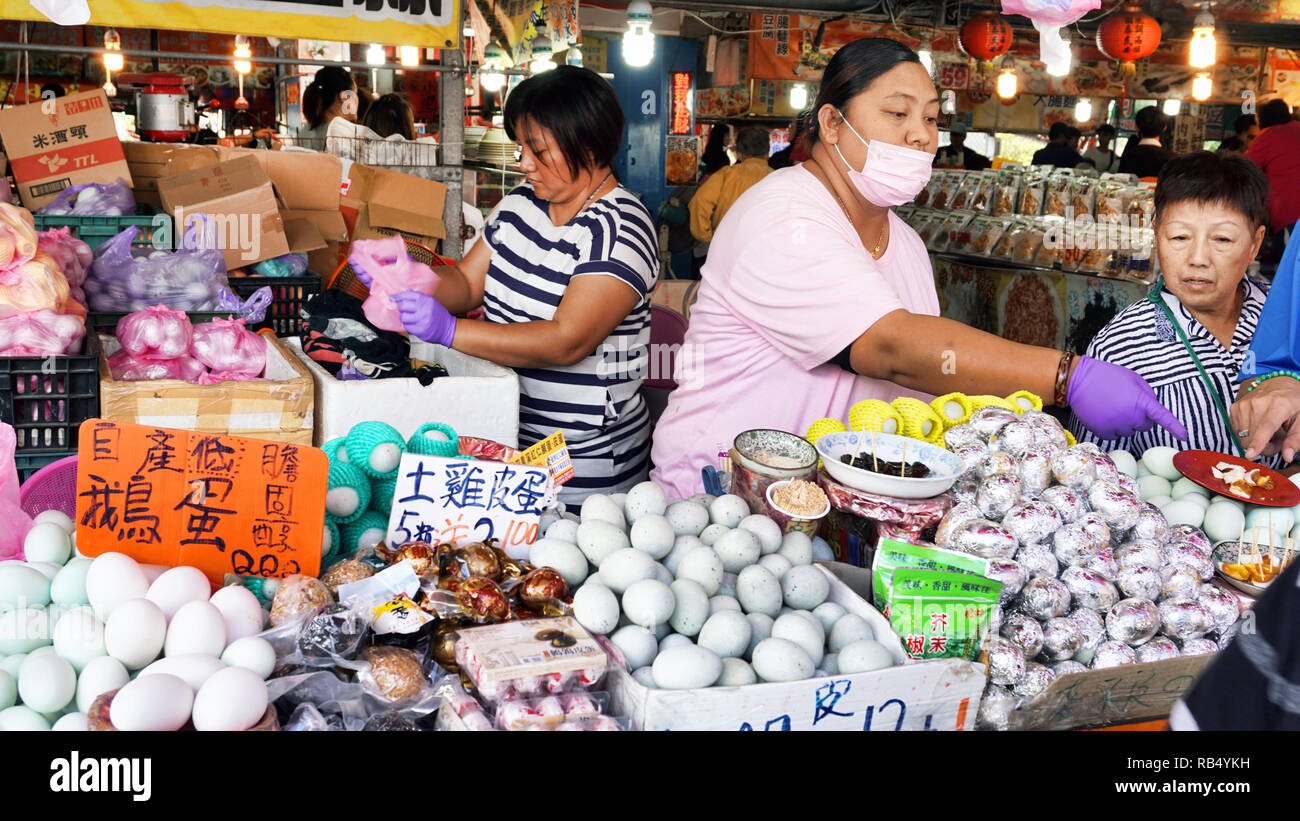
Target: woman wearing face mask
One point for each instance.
(816, 295)
(331, 93)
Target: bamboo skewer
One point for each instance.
(902, 467)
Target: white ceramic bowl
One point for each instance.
(944, 466)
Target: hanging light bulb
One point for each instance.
(1202, 87)
(113, 41)
(799, 96)
(1083, 110)
(926, 53)
(1007, 82)
(243, 55)
(375, 55)
(543, 52)
(409, 55)
(573, 57)
(638, 42)
(1061, 67)
(1201, 53)
(493, 58)
(1173, 106)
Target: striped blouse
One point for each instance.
(597, 402)
(1141, 338)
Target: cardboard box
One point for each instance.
(54, 144)
(931, 695)
(151, 162)
(278, 407)
(397, 202)
(479, 398)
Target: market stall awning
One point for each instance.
(428, 23)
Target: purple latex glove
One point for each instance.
(1113, 401)
(365, 278)
(425, 317)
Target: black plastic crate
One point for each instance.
(46, 398)
(105, 322)
(29, 463)
(289, 295)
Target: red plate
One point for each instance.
(1198, 466)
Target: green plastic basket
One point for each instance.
(95, 231)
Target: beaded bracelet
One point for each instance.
(1269, 376)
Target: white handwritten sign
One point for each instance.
(457, 501)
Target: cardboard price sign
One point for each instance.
(457, 501)
(223, 504)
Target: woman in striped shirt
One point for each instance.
(1191, 336)
(564, 279)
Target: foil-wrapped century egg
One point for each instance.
(989, 420)
(985, 539)
(1070, 503)
(1116, 506)
(1113, 654)
(1037, 678)
(1199, 647)
(1097, 529)
(1031, 521)
(1158, 649)
(1072, 544)
(995, 708)
(1006, 661)
(997, 461)
(1133, 621)
(1010, 573)
(963, 434)
(1093, 630)
(998, 494)
(1189, 554)
(1179, 581)
(1074, 469)
(1151, 524)
(1068, 667)
(1139, 553)
(1014, 438)
(1062, 639)
(1221, 605)
(1024, 632)
(1188, 533)
(1139, 582)
(1103, 563)
(1045, 598)
(958, 515)
(1185, 618)
(1037, 560)
(1089, 589)
(1035, 471)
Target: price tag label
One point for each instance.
(552, 454)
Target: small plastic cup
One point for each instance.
(792, 522)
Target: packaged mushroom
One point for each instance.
(929, 225)
(1006, 190)
(1032, 192)
(1029, 243)
(1059, 187)
(1005, 248)
(966, 191)
(948, 188)
(1143, 203)
(989, 231)
(1112, 199)
(927, 194)
(988, 185)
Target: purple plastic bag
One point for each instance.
(123, 278)
(251, 310)
(93, 199)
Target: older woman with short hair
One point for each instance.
(1191, 336)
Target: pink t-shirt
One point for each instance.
(786, 287)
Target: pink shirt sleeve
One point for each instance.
(799, 277)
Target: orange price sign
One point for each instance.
(223, 504)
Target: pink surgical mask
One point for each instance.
(892, 174)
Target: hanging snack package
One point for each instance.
(1029, 242)
(959, 242)
(954, 228)
(532, 658)
(1007, 192)
(988, 186)
(944, 196)
(1053, 237)
(990, 231)
(1032, 191)
(1112, 200)
(1083, 195)
(930, 225)
(1142, 205)
(1058, 192)
(1005, 247)
(966, 191)
(924, 198)
(941, 614)
(893, 555)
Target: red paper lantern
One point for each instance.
(986, 36)
(1128, 35)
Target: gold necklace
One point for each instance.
(880, 241)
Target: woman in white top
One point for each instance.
(331, 93)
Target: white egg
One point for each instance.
(69, 584)
(681, 546)
(805, 587)
(1143, 470)
(72, 723)
(46, 683)
(596, 608)
(624, 567)
(728, 511)
(686, 668)
(864, 657)
(796, 547)
(806, 633)
(8, 690)
(598, 539)
(599, 507)
(687, 518)
(638, 645)
(704, 566)
(726, 633)
(135, 632)
(342, 501)
(241, 611)
(663, 574)
(47, 542)
(768, 532)
(152, 704)
(736, 673)
(654, 534)
(1279, 520)
(1160, 501)
(710, 535)
(564, 530)
(197, 628)
(23, 630)
(831, 664)
(1261, 536)
(232, 700)
(23, 586)
(1149, 486)
(728, 586)
(674, 640)
(761, 628)
(564, 557)
(849, 629)
(690, 607)
(645, 498)
(781, 660)
(822, 551)
(1295, 531)
(649, 603)
(1185, 486)
(1197, 498)
(1124, 462)
(662, 631)
(22, 719)
(79, 637)
(704, 499)
(100, 676)
(193, 669)
(47, 569)
(1160, 461)
(177, 587)
(1183, 512)
(759, 591)
(251, 652)
(645, 677)
(152, 572)
(776, 564)
(112, 579)
(57, 517)
(828, 613)
(720, 603)
(738, 549)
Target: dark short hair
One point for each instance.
(323, 90)
(55, 89)
(752, 141)
(1150, 122)
(1274, 112)
(1105, 129)
(391, 114)
(1207, 178)
(854, 68)
(715, 150)
(1243, 123)
(578, 107)
(1073, 133)
(1058, 130)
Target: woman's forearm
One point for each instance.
(540, 344)
(454, 290)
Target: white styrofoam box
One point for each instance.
(917, 695)
(478, 398)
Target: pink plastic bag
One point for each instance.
(213, 377)
(157, 332)
(225, 345)
(392, 271)
(40, 333)
(128, 368)
(71, 254)
(1048, 16)
(14, 522)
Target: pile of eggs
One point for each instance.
(1093, 577)
(700, 593)
(1182, 501)
(73, 628)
